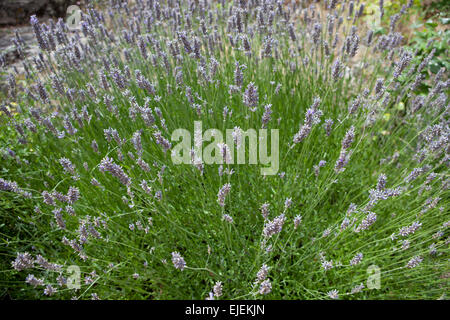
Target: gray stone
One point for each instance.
(19, 11)
(8, 49)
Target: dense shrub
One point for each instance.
(88, 179)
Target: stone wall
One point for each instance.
(13, 12)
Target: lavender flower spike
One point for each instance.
(107, 164)
(223, 193)
(178, 261)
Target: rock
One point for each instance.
(19, 11)
(12, 59)
(8, 49)
(15, 15)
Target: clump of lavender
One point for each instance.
(336, 71)
(73, 195)
(110, 94)
(225, 152)
(287, 204)
(59, 218)
(238, 76)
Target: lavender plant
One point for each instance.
(87, 179)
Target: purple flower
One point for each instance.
(414, 262)
(223, 192)
(32, 280)
(333, 294)
(336, 70)
(327, 265)
(405, 231)
(342, 161)
(178, 261)
(262, 273)
(238, 75)
(59, 219)
(267, 115)
(217, 289)
(265, 287)
(328, 125)
(265, 210)
(367, 222)
(136, 140)
(227, 218)
(312, 117)
(23, 261)
(356, 259)
(49, 290)
(251, 96)
(273, 227)
(73, 194)
(348, 139)
(166, 145)
(297, 221)
(107, 164)
(68, 166)
(38, 33)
